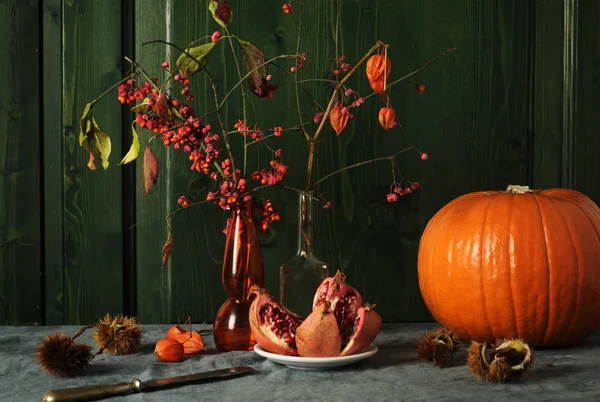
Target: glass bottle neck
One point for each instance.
(305, 234)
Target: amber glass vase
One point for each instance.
(302, 274)
(242, 268)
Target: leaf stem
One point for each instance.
(296, 69)
(418, 70)
(311, 150)
(296, 127)
(241, 81)
(139, 67)
(112, 87)
(383, 158)
(239, 71)
(223, 129)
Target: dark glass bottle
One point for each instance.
(302, 274)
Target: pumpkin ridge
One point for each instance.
(431, 260)
(547, 265)
(512, 263)
(481, 247)
(578, 269)
(578, 285)
(576, 203)
(435, 224)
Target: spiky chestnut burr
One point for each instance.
(59, 355)
(439, 347)
(502, 362)
(119, 335)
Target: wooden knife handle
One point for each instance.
(91, 392)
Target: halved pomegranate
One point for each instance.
(365, 329)
(272, 325)
(343, 298)
(358, 325)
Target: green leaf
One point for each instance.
(90, 131)
(220, 11)
(141, 107)
(85, 124)
(102, 144)
(134, 150)
(197, 61)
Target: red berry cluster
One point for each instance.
(269, 215)
(420, 88)
(273, 175)
(191, 136)
(341, 65)
(400, 190)
(318, 117)
(129, 93)
(287, 8)
(183, 201)
(301, 60)
(179, 126)
(228, 194)
(253, 132)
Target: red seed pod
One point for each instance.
(192, 342)
(378, 70)
(169, 350)
(338, 118)
(387, 117)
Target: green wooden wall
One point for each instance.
(516, 103)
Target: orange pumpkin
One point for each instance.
(518, 263)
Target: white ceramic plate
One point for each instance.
(316, 363)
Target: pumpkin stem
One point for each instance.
(516, 189)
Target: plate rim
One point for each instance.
(368, 351)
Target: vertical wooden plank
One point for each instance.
(20, 290)
(152, 299)
(570, 15)
(93, 239)
(587, 119)
(547, 103)
(199, 241)
(52, 142)
(129, 171)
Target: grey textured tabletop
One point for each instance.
(394, 373)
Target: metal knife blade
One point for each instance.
(94, 392)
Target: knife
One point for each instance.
(100, 391)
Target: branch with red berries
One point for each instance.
(169, 115)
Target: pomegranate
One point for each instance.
(343, 298)
(365, 329)
(272, 325)
(358, 325)
(318, 335)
